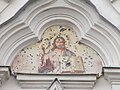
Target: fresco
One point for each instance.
(58, 52)
(59, 59)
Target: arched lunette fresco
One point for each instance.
(58, 52)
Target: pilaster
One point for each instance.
(112, 74)
(4, 74)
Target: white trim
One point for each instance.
(68, 81)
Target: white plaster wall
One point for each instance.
(116, 5)
(102, 84)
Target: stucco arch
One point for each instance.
(37, 17)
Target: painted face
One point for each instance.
(60, 44)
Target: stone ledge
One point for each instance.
(112, 74)
(68, 81)
(4, 74)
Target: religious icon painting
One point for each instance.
(58, 52)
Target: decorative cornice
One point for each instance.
(67, 81)
(112, 74)
(4, 74)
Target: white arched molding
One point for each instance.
(79, 15)
(107, 39)
(14, 38)
(58, 15)
(11, 6)
(59, 21)
(39, 14)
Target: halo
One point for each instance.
(58, 31)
